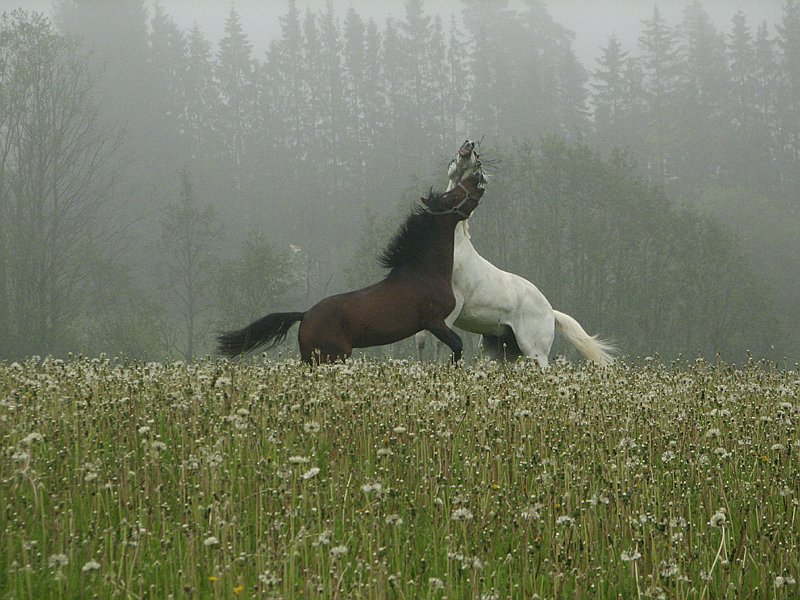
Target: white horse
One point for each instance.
(508, 311)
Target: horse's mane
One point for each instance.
(413, 237)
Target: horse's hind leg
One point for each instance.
(326, 355)
(535, 343)
(315, 352)
(449, 337)
(503, 348)
(421, 340)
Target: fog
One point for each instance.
(591, 22)
(170, 170)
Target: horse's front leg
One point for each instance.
(449, 337)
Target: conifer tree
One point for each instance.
(235, 76)
(457, 78)
(609, 95)
(333, 103)
(354, 66)
(766, 106)
(703, 92)
(286, 91)
(741, 65)
(167, 60)
(744, 165)
(660, 68)
(200, 95)
(190, 235)
(789, 95)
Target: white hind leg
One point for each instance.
(502, 348)
(536, 351)
(421, 339)
(535, 338)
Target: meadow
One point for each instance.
(394, 479)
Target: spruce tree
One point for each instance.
(788, 42)
(609, 95)
(659, 64)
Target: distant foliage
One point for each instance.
(190, 238)
(55, 178)
(258, 278)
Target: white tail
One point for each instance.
(590, 346)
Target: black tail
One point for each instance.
(269, 331)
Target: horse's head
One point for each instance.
(463, 198)
(466, 158)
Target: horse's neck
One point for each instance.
(462, 246)
(462, 241)
(439, 257)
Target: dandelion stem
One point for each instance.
(714, 564)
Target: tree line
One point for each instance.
(155, 185)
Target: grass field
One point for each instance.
(398, 480)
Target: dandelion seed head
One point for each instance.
(369, 488)
(668, 569)
(32, 438)
(20, 456)
(268, 578)
(311, 427)
(783, 580)
(718, 519)
(394, 519)
(435, 583)
(630, 555)
(461, 514)
(91, 565)
(312, 472)
(55, 561)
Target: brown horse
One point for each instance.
(417, 293)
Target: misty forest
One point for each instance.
(157, 186)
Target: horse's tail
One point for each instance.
(269, 331)
(592, 347)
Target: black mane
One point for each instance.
(413, 237)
